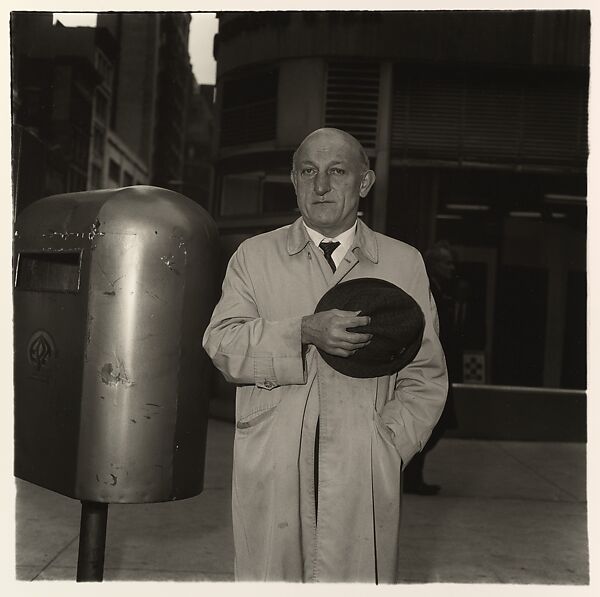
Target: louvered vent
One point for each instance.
(490, 117)
(426, 116)
(352, 99)
(555, 123)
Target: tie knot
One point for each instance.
(328, 247)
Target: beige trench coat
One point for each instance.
(369, 428)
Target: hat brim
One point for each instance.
(381, 300)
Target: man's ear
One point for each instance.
(367, 181)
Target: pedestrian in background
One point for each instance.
(441, 269)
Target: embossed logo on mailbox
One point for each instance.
(40, 349)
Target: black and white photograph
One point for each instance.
(300, 296)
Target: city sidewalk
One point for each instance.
(509, 512)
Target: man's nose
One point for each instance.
(322, 185)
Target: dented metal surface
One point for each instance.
(169, 261)
(94, 230)
(111, 375)
(118, 412)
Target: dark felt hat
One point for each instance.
(397, 325)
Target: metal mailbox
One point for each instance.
(112, 292)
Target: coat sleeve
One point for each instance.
(244, 346)
(421, 388)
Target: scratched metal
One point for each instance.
(111, 404)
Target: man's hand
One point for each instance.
(327, 330)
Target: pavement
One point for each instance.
(508, 512)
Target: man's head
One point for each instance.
(330, 173)
(440, 262)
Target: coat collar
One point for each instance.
(364, 239)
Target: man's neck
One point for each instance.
(328, 233)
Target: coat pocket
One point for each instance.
(255, 418)
(384, 431)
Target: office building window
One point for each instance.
(249, 110)
(101, 108)
(98, 141)
(96, 181)
(104, 67)
(490, 116)
(240, 194)
(278, 196)
(114, 172)
(80, 145)
(257, 193)
(75, 181)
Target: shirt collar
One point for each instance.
(364, 238)
(345, 239)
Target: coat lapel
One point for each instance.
(364, 247)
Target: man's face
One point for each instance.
(329, 178)
(444, 266)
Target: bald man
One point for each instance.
(318, 455)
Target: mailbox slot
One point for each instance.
(49, 271)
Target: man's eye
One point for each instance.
(337, 171)
(307, 171)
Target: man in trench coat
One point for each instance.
(264, 336)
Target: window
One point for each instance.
(81, 109)
(114, 171)
(76, 181)
(101, 108)
(98, 141)
(80, 146)
(490, 116)
(104, 67)
(278, 195)
(256, 193)
(96, 181)
(240, 195)
(249, 110)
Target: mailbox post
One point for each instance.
(112, 292)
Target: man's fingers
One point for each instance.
(356, 321)
(341, 352)
(352, 318)
(342, 313)
(356, 338)
(352, 346)
(361, 345)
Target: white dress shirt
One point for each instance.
(345, 239)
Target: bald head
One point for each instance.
(330, 174)
(329, 136)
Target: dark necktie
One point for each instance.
(328, 248)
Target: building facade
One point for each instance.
(54, 85)
(197, 174)
(476, 127)
(152, 87)
(99, 107)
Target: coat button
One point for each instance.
(268, 384)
